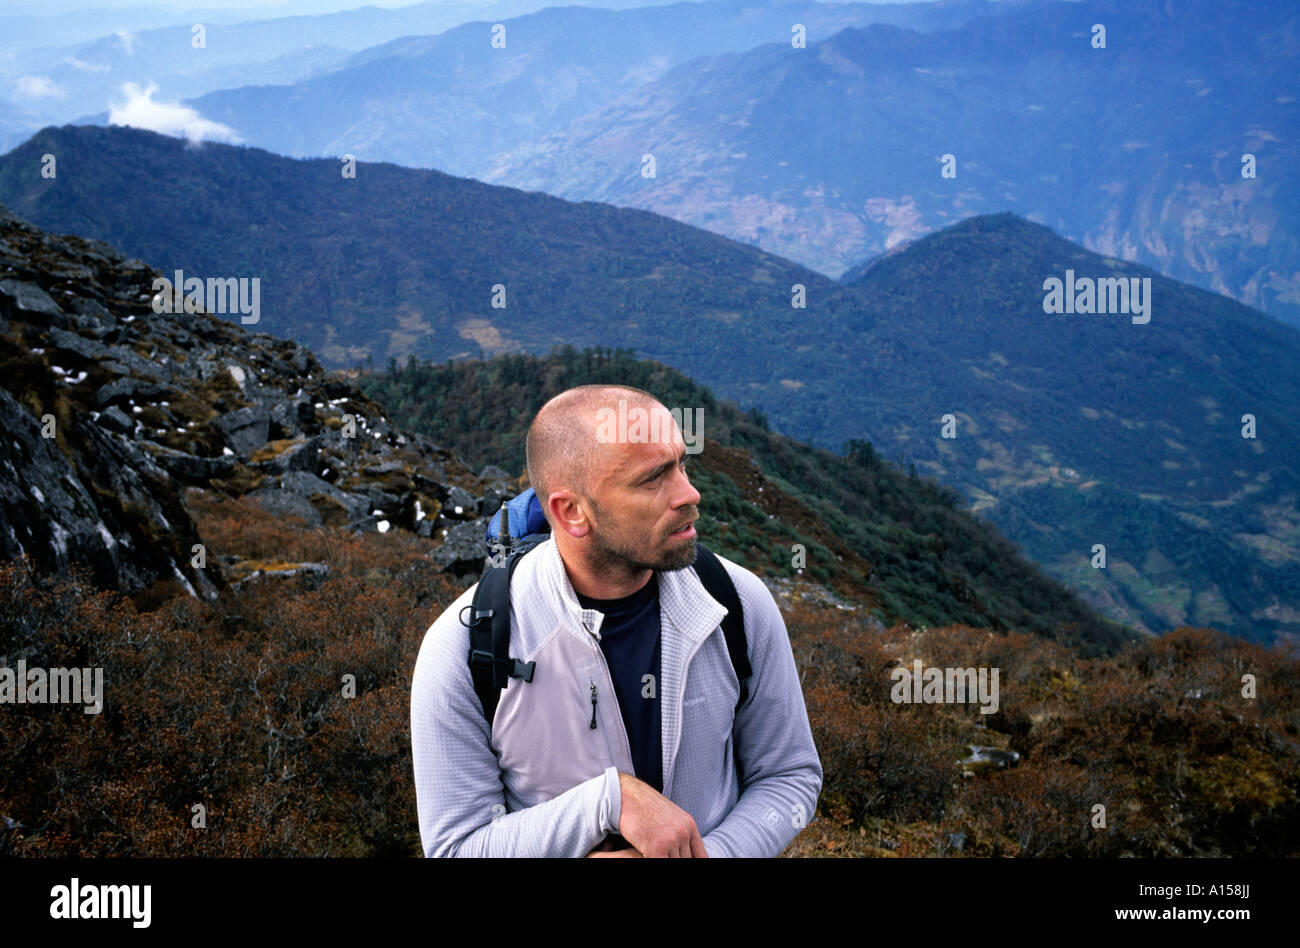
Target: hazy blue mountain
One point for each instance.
(833, 154)
(455, 103)
(75, 77)
(1071, 430)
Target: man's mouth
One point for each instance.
(686, 531)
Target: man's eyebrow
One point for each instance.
(660, 468)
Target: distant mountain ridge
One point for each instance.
(455, 103)
(834, 154)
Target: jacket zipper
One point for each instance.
(600, 656)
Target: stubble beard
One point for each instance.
(615, 556)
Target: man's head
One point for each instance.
(614, 494)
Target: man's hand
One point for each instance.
(655, 825)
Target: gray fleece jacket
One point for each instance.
(543, 782)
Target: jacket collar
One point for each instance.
(683, 600)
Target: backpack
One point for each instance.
(517, 528)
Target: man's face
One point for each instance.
(640, 497)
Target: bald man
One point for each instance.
(628, 741)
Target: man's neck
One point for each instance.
(604, 584)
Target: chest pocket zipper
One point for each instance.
(593, 703)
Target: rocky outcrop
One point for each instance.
(111, 410)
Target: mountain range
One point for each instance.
(1070, 430)
(875, 136)
(457, 103)
(122, 408)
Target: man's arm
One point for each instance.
(780, 773)
(458, 788)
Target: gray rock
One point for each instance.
(114, 419)
(380, 499)
(303, 456)
(284, 418)
(309, 485)
(464, 549)
(189, 467)
(244, 430)
(493, 498)
(87, 349)
(282, 503)
(123, 391)
(128, 533)
(459, 497)
(491, 472)
(126, 362)
(32, 303)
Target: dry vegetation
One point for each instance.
(238, 705)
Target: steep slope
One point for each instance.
(115, 410)
(1076, 429)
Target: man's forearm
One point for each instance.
(768, 815)
(569, 825)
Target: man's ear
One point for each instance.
(567, 514)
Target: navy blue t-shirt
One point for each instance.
(629, 637)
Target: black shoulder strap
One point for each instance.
(714, 576)
(491, 667)
(490, 663)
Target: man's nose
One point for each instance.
(688, 496)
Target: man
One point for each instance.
(628, 735)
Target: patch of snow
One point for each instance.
(382, 526)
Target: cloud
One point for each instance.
(128, 41)
(167, 118)
(85, 66)
(38, 87)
